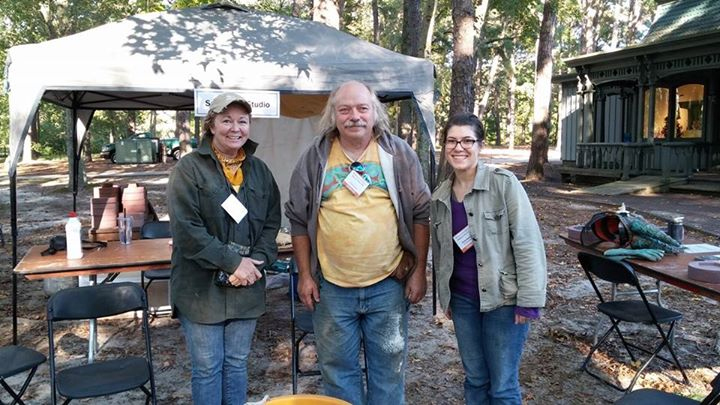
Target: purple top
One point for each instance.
(464, 279)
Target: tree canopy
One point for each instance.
(497, 78)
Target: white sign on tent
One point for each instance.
(265, 104)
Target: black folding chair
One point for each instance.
(101, 377)
(15, 360)
(632, 311)
(154, 230)
(301, 325)
(649, 396)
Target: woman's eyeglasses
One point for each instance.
(465, 143)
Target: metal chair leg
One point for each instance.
(17, 396)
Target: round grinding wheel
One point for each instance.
(707, 271)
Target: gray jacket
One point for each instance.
(408, 191)
(510, 252)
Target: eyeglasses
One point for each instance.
(465, 143)
(358, 167)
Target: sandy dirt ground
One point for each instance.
(557, 344)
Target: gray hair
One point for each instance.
(328, 125)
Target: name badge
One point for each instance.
(463, 240)
(355, 183)
(235, 208)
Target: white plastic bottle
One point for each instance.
(72, 236)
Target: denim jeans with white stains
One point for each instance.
(376, 317)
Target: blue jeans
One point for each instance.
(376, 316)
(490, 345)
(219, 353)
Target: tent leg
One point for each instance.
(76, 160)
(14, 236)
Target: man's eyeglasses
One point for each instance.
(465, 143)
(358, 167)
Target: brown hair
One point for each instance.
(464, 120)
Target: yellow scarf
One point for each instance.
(232, 167)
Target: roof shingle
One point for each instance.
(684, 18)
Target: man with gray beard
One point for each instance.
(359, 216)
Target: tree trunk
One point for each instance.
(496, 116)
(558, 140)
(341, 12)
(182, 131)
(512, 89)
(112, 117)
(616, 28)
(462, 86)
(543, 95)
(153, 122)
(480, 14)
(481, 106)
(411, 28)
(32, 138)
(131, 123)
(410, 46)
(428, 27)
(589, 36)
(87, 146)
(296, 8)
(69, 125)
(634, 22)
(376, 22)
(326, 12)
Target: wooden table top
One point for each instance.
(672, 269)
(140, 255)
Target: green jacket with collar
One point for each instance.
(206, 239)
(510, 252)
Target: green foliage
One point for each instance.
(357, 19)
(113, 123)
(31, 21)
(511, 28)
(52, 139)
(4, 121)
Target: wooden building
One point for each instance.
(650, 108)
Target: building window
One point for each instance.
(689, 111)
(662, 102)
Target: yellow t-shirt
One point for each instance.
(357, 237)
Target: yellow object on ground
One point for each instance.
(306, 399)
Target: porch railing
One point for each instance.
(634, 159)
(624, 159)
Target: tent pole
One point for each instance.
(76, 163)
(14, 236)
(432, 188)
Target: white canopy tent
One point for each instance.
(155, 61)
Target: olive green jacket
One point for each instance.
(206, 239)
(510, 252)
